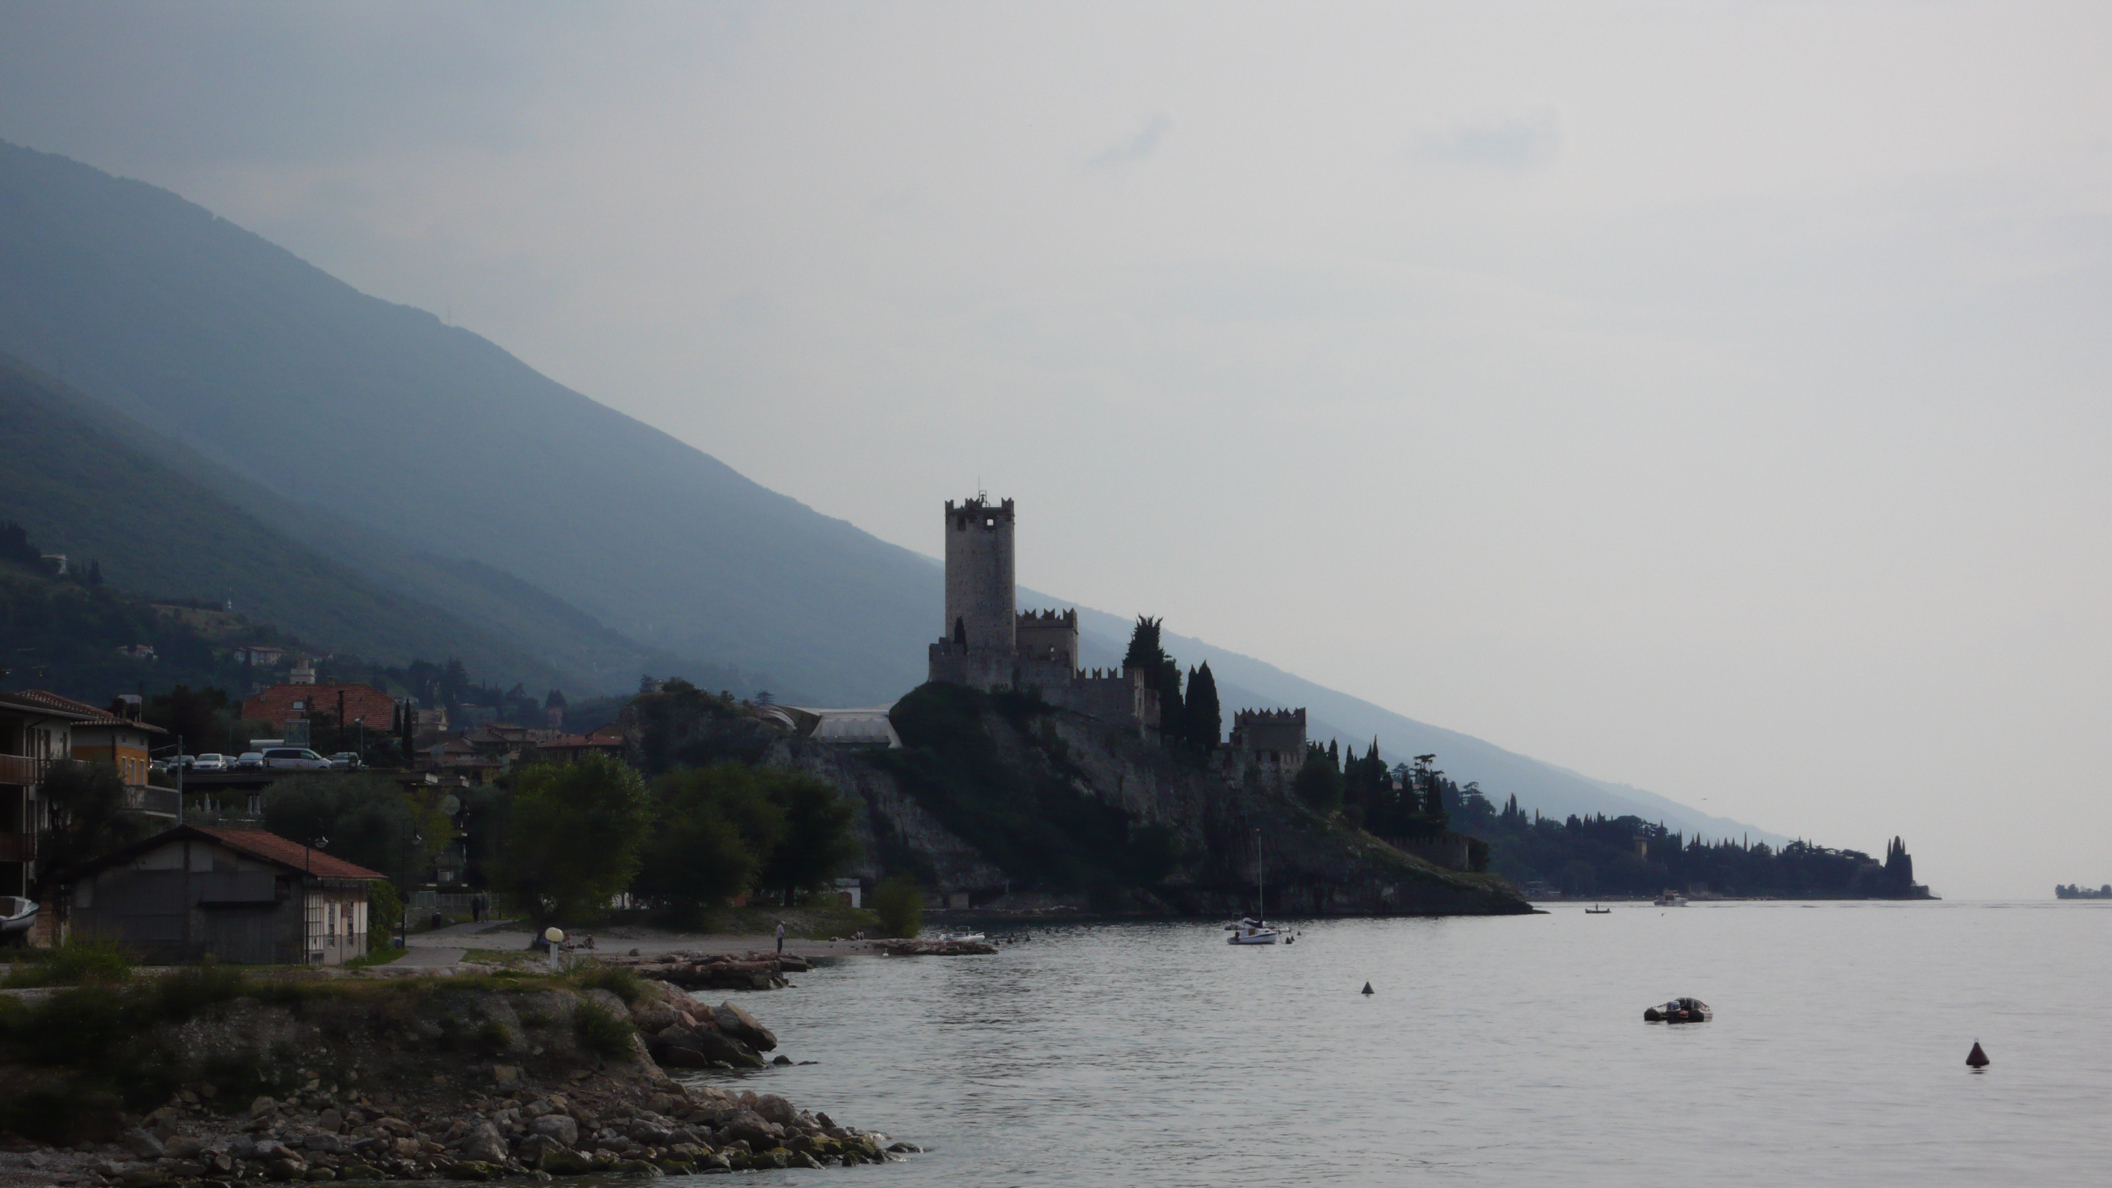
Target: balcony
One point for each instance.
(18, 847)
(154, 802)
(19, 769)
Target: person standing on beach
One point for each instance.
(780, 937)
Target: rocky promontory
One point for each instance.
(202, 1077)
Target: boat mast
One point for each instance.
(1261, 885)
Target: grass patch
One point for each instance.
(75, 963)
(376, 957)
(601, 1030)
(623, 983)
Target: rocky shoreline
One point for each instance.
(429, 1079)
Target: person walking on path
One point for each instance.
(780, 938)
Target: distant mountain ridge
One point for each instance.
(455, 476)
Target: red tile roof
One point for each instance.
(67, 705)
(270, 847)
(275, 705)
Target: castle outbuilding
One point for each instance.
(988, 643)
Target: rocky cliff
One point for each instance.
(1016, 802)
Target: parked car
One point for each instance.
(249, 760)
(210, 761)
(346, 761)
(295, 757)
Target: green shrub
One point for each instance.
(75, 963)
(622, 982)
(601, 1030)
(384, 909)
(900, 905)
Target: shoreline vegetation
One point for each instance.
(210, 1074)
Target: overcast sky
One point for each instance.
(1706, 396)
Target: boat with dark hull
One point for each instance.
(1679, 1010)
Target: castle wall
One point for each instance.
(1050, 636)
(973, 667)
(979, 576)
(1277, 734)
(1100, 693)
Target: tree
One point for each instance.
(200, 719)
(87, 814)
(900, 906)
(573, 836)
(1162, 674)
(817, 841)
(368, 820)
(711, 827)
(1319, 782)
(1206, 722)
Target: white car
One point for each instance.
(300, 758)
(210, 761)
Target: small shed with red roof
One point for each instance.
(243, 896)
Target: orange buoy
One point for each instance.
(1976, 1058)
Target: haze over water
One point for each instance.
(1507, 1051)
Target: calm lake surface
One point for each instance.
(1494, 1051)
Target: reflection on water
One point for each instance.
(1504, 1051)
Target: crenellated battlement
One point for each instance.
(979, 512)
(988, 643)
(1258, 717)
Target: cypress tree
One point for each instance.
(1206, 721)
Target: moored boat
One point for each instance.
(1679, 1010)
(17, 916)
(1254, 929)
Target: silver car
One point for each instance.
(210, 761)
(300, 758)
(249, 759)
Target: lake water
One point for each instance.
(1494, 1051)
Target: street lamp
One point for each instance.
(411, 837)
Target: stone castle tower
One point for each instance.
(990, 644)
(980, 609)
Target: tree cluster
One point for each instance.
(1193, 721)
(1404, 801)
(1600, 855)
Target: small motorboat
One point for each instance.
(960, 938)
(1679, 1010)
(1669, 899)
(1596, 910)
(17, 917)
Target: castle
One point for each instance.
(990, 644)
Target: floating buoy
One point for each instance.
(1368, 990)
(1976, 1058)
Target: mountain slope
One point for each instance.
(91, 485)
(439, 443)
(435, 437)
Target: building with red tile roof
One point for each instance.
(237, 895)
(282, 703)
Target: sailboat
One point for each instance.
(1254, 930)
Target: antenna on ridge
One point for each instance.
(981, 496)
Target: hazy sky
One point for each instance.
(1706, 396)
